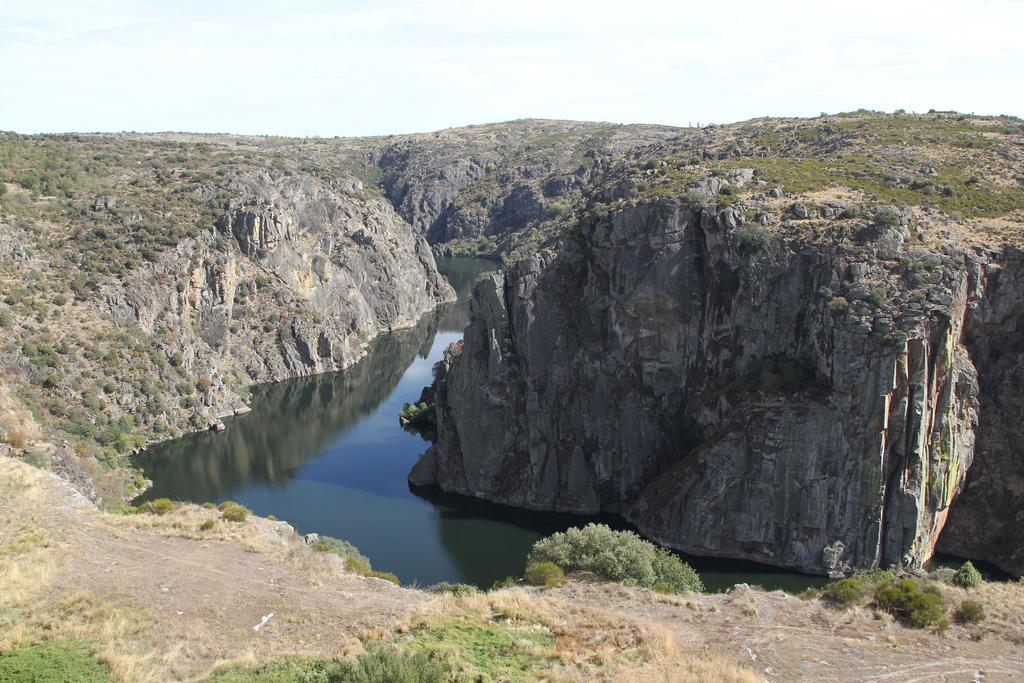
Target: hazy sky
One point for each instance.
(357, 68)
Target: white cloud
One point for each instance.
(363, 67)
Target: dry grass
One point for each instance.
(581, 643)
(29, 554)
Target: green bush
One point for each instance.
(234, 513)
(544, 574)
(754, 237)
(355, 561)
(662, 588)
(886, 217)
(459, 590)
(877, 296)
(615, 556)
(969, 612)
(967, 576)
(912, 604)
(838, 304)
(53, 661)
(845, 593)
(207, 525)
(162, 506)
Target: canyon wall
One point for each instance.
(804, 400)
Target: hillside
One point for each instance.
(150, 280)
(793, 342)
(179, 596)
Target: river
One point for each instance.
(327, 455)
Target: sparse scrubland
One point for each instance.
(148, 281)
(141, 596)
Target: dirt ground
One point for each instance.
(162, 599)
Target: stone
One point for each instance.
(654, 370)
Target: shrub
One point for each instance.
(845, 593)
(544, 574)
(162, 506)
(696, 200)
(969, 612)
(207, 525)
(886, 217)
(615, 556)
(754, 237)
(877, 295)
(234, 513)
(459, 590)
(662, 588)
(507, 582)
(967, 576)
(355, 561)
(838, 304)
(358, 565)
(912, 604)
(272, 518)
(208, 505)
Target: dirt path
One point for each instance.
(786, 638)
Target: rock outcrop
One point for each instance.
(987, 521)
(799, 400)
(295, 281)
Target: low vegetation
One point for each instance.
(616, 556)
(544, 574)
(381, 664)
(967, 576)
(916, 602)
(53, 661)
(355, 561)
(233, 512)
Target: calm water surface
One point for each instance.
(327, 455)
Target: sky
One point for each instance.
(307, 68)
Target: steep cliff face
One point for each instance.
(802, 401)
(987, 520)
(294, 281)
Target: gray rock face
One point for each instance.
(718, 396)
(987, 521)
(297, 282)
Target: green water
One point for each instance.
(327, 455)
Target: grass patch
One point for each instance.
(381, 664)
(491, 651)
(53, 661)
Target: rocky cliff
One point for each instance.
(805, 398)
(168, 278)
